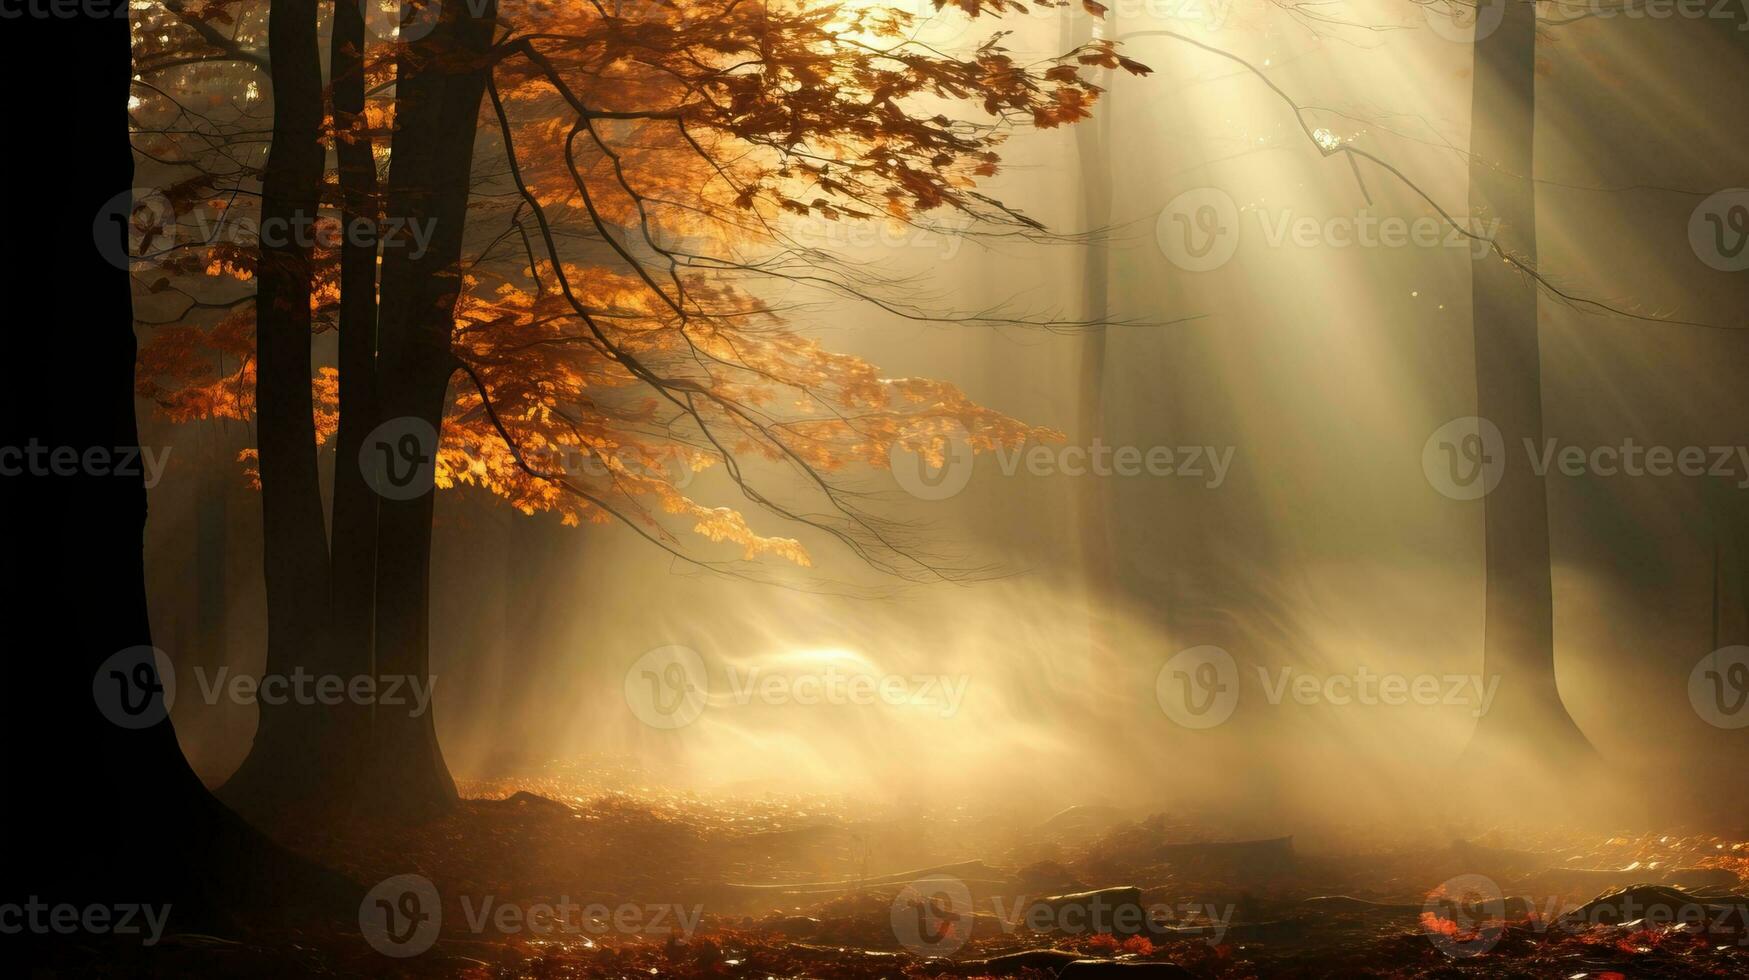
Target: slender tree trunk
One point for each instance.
(1093, 143)
(286, 763)
(1518, 640)
(355, 505)
(99, 813)
(442, 79)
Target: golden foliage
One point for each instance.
(613, 312)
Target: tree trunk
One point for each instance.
(217, 475)
(438, 104)
(535, 568)
(1093, 139)
(288, 761)
(100, 813)
(355, 505)
(1518, 633)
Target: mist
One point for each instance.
(1308, 469)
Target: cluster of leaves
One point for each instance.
(638, 180)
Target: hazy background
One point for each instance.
(1325, 369)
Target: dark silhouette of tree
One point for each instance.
(1518, 643)
(99, 813)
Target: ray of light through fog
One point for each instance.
(1301, 378)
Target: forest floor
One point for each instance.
(581, 872)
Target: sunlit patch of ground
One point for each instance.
(750, 887)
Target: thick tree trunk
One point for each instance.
(287, 764)
(1528, 718)
(98, 812)
(442, 81)
(217, 474)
